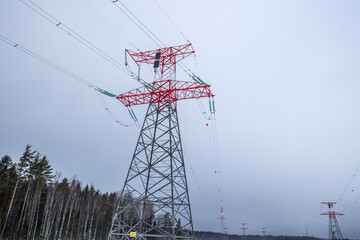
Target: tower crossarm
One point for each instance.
(167, 54)
(167, 90)
(164, 58)
(329, 204)
(332, 213)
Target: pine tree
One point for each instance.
(22, 167)
(25, 161)
(41, 172)
(39, 207)
(24, 174)
(7, 179)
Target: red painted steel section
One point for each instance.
(169, 56)
(332, 214)
(330, 204)
(168, 89)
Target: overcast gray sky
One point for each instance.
(286, 79)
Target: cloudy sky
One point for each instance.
(286, 75)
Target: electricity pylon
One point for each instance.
(154, 202)
(243, 228)
(334, 229)
(222, 223)
(263, 230)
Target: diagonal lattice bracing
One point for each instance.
(155, 199)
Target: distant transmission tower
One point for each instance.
(264, 232)
(226, 231)
(222, 223)
(334, 229)
(243, 228)
(154, 202)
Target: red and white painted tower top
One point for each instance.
(166, 87)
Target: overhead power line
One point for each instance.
(170, 19)
(46, 15)
(109, 24)
(71, 33)
(138, 22)
(66, 72)
(182, 65)
(128, 13)
(47, 62)
(355, 173)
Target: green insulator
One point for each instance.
(131, 114)
(107, 93)
(201, 81)
(195, 79)
(126, 62)
(150, 87)
(134, 115)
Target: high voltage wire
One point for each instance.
(357, 170)
(182, 65)
(72, 33)
(148, 33)
(350, 205)
(137, 24)
(202, 109)
(181, 33)
(46, 15)
(66, 72)
(109, 24)
(109, 112)
(47, 62)
(170, 19)
(197, 183)
(124, 37)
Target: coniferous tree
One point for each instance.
(23, 170)
(41, 171)
(22, 167)
(41, 207)
(7, 179)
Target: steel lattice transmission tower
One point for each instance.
(334, 229)
(222, 223)
(154, 202)
(263, 230)
(244, 228)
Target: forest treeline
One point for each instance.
(35, 204)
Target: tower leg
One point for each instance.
(154, 201)
(334, 229)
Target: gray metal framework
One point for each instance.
(154, 202)
(334, 228)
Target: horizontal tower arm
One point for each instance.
(168, 90)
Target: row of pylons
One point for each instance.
(334, 228)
